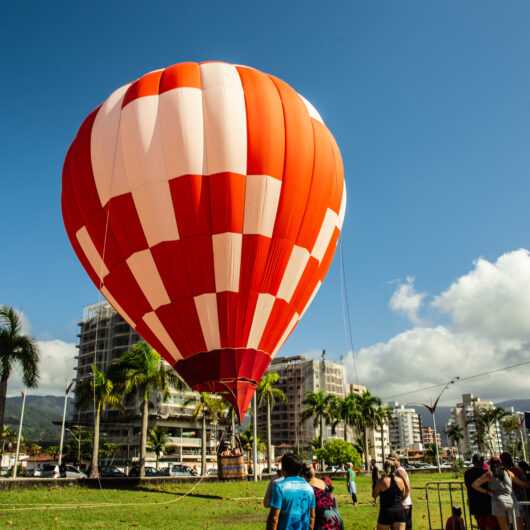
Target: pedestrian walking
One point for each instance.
(350, 482)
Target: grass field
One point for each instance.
(223, 506)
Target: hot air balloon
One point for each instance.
(205, 202)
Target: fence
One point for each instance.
(440, 497)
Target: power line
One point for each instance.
(462, 379)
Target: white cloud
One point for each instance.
(56, 368)
(407, 300)
(489, 327)
(493, 299)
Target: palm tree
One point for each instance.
(317, 407)
(101, 391)
(7, 436)
(486, 420)
(349, 412)
(511, 425)
(368, 405)
(269, 394)
(247, 443)
(334, 412)
(455, 434)
(34, 449)
(53, 451)
(206, 405)
(142, 370)
(15, 348)
(157, 442)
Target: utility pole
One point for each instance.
(66, 392)
(255, 438)
(24, 392)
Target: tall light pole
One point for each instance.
(432, 409)
(255, 437)
(66, 392)
(24, 392)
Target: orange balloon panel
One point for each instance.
(205, 202)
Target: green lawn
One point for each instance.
(226, 506)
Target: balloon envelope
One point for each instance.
(205, 202)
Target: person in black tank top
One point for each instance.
(391, 491)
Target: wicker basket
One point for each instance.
(232, 467)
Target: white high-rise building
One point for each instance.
(475, 440)
(405, 431)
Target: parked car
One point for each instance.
(149, 471)
(212, 472)
(273, 469)
(50, 471)
(69, 471)
(112, 471)
(180, 470)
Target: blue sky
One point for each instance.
(429, 102)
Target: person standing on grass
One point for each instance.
(401, 472)
(268, 493)
(391, 491)
(292, 503)
(375, 472)
(498, 483)
(350, 482)
(479, 503)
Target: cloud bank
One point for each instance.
(486, 316)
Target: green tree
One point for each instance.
(53, 451)
(206, 406)
(247, 443)
(337, 452)
(349, 412)
(141, 370)
(8, 437)
(486, 419)
(511, 425)
(317, 407)
(100, 391)
(367, 419)
(268, 394)
(34, 449)
(430, 453)
(334, 413)
(455, 434)
(15, 348)
(157, 442)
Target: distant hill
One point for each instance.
(40, 413)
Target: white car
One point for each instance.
(72, 472)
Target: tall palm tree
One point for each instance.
(101, 391)
(334, 412)
(269, 394)
(486, 420)
(206, 406)
(247, 443)
(455, 433)
(157, 442)
(15, 348)
(368, 405)
(349, 412)
(142, 370)
(317, 407)
(8, 437)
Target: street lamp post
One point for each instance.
(24, 392)
(432, 409)
(66, 392)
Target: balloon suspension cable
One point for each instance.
(348, 335)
